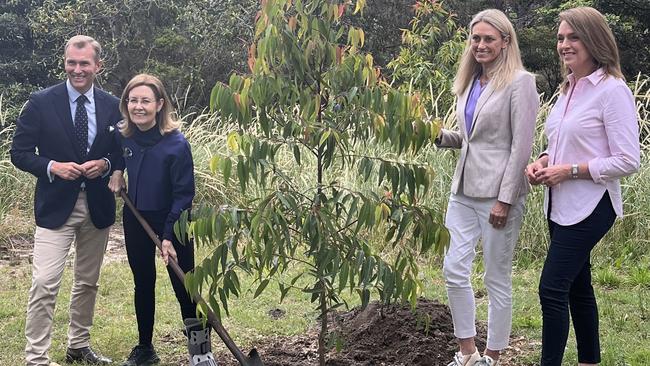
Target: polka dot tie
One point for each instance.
(81, 125)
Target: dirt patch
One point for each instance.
(17, 249)
(115, 250)
(392, 335)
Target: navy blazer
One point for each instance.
(160, 177)
(46, 124)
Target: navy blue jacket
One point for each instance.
(160, 177)
(46, 124)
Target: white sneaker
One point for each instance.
(486, 361)
(465, 360)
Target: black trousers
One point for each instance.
(141, 252)
(565, 286)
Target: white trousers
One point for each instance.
(467, 221)
(51, 249)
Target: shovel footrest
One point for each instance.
(206, 359)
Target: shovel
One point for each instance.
(253, 358)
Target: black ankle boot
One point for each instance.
(142, 355)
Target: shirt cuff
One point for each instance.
(49, 172)
(168, 233)
(594, 171)
(108, 162)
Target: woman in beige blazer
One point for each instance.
(496, 108)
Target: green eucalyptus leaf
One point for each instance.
(224, 300)
(261, 288)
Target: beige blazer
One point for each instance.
(494, 155)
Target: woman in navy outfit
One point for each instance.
(160, 170)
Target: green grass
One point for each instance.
(624, 311)
(115, 332)
(624, 316)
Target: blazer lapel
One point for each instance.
(62, 107)
(485, 95)
(101, 116)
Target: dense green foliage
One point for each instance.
(431, 51)
(188, 43)
(191, 44)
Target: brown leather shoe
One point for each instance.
(86, 355)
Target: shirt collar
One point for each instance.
(594, 78)
(477, 80)
(73, 93)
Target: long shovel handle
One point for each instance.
(253, 359)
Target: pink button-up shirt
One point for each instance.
(594, 124)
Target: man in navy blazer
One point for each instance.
(64, 137)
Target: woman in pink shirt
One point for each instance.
(593, 141)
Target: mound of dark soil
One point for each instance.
(376, 335)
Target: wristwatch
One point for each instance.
(574, 171)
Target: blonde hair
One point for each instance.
(592, 30)
(80, 41)
(165, 118)
(507, 63)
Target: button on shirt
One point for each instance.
(595, 122)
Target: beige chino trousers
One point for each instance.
(51, 248)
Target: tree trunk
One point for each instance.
(323, 330)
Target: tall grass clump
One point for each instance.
(629, 241)
(207, 135)
(16, 187)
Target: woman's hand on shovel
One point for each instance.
(117, 182)
(168, 251)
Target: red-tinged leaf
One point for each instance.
(341, 9)
(251, 56)
(292, 23)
